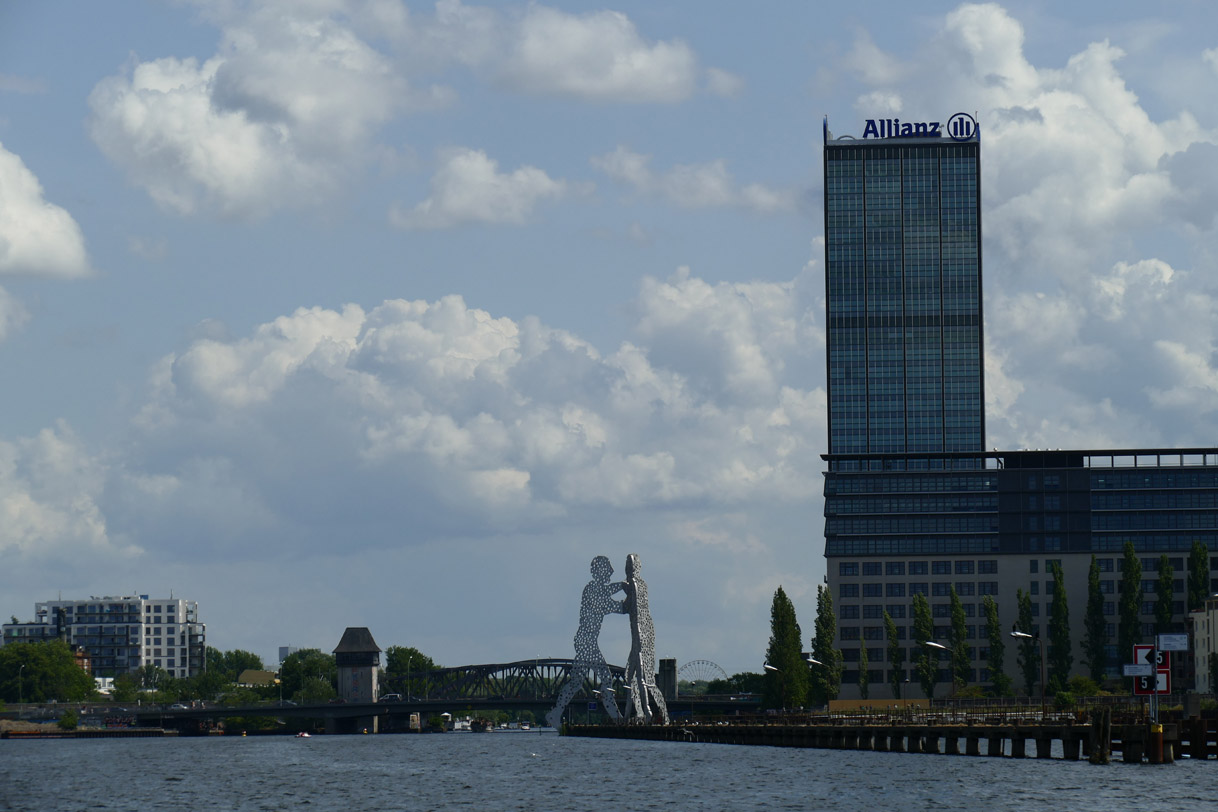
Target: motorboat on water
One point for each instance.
(304, 734)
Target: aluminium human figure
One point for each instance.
(641, 666)
(597, 601)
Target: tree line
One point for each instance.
(44, 671)
(790, 680)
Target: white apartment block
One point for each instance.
(1205, 642)
(122, 634)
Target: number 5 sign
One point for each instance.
(1161, 660)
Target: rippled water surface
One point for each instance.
(542, 771)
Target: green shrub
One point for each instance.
(68, 720)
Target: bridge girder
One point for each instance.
(537, 680)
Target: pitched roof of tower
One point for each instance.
(357, 640)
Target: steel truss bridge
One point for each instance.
(526, 682)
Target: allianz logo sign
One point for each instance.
(960, 127)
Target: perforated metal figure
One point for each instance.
(597, 602)
(641, 666)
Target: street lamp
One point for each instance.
(20, 685)
(1025, 636)
(768, 667)
(941, 647)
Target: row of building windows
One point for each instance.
(910, 484)
(883, 655)
(1143, 480)
(929, 524)
(873, 633)
(911, 546)
(900, 589)
(872, 568)
(983, 502)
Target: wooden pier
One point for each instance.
(1135, 742)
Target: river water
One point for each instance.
(543, 771)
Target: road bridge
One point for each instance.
(469, 690)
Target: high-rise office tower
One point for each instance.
(914, 504)
(903, 286)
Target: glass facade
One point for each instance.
(909, 483)
(1021, 502)
(903, 286)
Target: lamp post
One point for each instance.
(941, 647)
(1025, 636)
(20, 685)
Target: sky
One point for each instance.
(330, 313)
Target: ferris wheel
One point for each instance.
(701, 671)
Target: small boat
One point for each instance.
(304, 734)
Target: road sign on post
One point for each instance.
(1173, 642)
(1146, 655)
(1160, 661)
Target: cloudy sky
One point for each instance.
(370, 312)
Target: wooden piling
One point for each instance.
(1099, 739)
(1044, 745)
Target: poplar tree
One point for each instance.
(1163, 595)
(896, 656)
(826, 680)
(864, 676)
(1095, 640)
(926, 664)
(786, 681)
(1029, 649)
(1061, 658)
(1198, 576)
(1129, 622)
(995, 660)
(958, 642)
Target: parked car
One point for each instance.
(178, 706)
(390, 698)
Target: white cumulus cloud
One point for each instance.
(692, 185)
(36, 236)
(277, 117)
(50, 490)
(469, 188)
(481, 421)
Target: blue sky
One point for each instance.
(393, 314)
